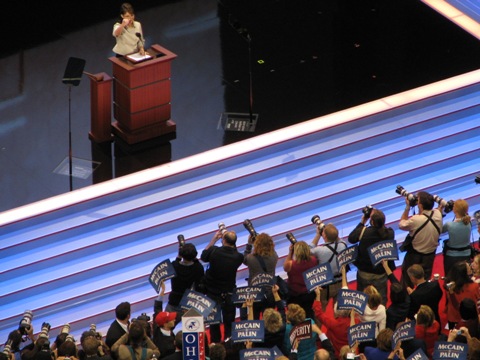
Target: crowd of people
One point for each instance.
(417, 296)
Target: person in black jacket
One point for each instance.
(119, 326)
(397, 312)
(220, 278)
(189, 272)
(368, 274)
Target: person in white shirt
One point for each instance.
(128, 33)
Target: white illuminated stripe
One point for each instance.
(456, 16)
(239, 148)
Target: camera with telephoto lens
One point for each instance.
(412, 199)
(45, 330)
(367, 211)
(70, 338)
(291, 238)
(249, 226)
(8, 347)
(65, 329)
(317, 221)
(447, 205)
(181, 240)
(26, 322)
(93, 329)
(144, 317)
(222, 228)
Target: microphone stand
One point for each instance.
(70, 158)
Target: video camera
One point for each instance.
(447, 205)
(317, 221)
(412, 199)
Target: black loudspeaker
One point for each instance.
(73, 71)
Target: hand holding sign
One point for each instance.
(318, 276)
(163, 271)
(383, 250)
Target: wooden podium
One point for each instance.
(141, 97)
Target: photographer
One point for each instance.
(368, 274)
(135, 345)
(220, 278)
(424, 230)
(15, 338)
(457, 247)
(263, 259)
(189, 272)
(328, 252)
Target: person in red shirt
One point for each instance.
(427, 328)
(459, 286)
(299, 259)
(337, 325)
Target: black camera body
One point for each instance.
(181, 240)
(412, 199)
(318, 222)
(222, 228)
(144, 317)
(291, 238)
(26, 322)
(367, 211)
(249, 226)
(447, 205)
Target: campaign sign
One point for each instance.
(262, 279)
(362, 332)
(406, 331)
(450, 350)
(215, 316)
(418, 355)
(276, 351)
(257, 354)
(352, 299)
(163, 271)
(248, 330)
(245, 293)
(347, 256)
(301, 331)
(198, 301)
(383, 250)
(318, 276)
(193, 336)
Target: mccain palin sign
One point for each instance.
(318, 276)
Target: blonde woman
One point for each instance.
(300, 259)
(457, 248)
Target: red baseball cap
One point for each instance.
(164, 317)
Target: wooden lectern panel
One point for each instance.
(142, 96)
(100, 108)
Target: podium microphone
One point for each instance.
(140, 38)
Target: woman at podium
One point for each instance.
(128, 33)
